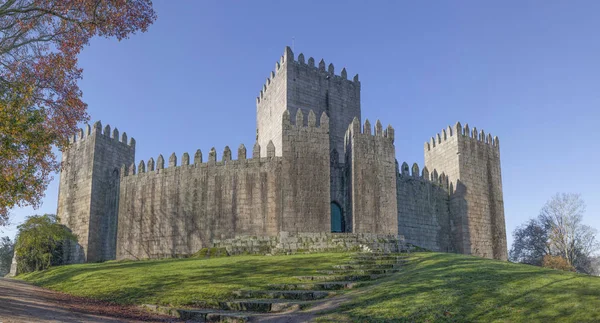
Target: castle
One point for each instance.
(316, 173)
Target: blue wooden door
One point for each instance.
(336, 217)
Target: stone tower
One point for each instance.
(302, 85)
(89, 190)
(371, 183)
(471, 159)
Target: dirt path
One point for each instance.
(308, 315)
(22, 302)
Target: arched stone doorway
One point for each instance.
(337, 218)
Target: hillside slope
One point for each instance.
(179, 282)
(439, 287)
(431, 287)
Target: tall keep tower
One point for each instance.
(472, 159)
(302, 85)
(89, 190)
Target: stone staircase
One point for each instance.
(250, 305)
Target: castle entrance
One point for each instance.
(336, 218)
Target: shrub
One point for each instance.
(40, 243)
(557, 262)
(210, 253)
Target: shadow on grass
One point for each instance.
(183, 281)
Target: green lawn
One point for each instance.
(439, 287)
(433, 287)
(180, 282)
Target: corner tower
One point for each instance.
(300, 84)
(89, 190)
(472, 159)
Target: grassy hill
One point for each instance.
(432, 287)
(179, 282)
(439, 287)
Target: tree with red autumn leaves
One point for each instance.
(40, 101)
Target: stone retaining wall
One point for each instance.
(288, 243)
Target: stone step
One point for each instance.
(208, 315)
(378, 257)
(301, 295)
(316, 286)
(358, 271)
(378, 254)
(263, 305)
(368, 265)
(331, 278)
(376, 261)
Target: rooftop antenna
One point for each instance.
(293, 43)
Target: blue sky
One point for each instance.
(526, 71)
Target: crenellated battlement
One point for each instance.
(472, 159)
(88, 189)
(226, 160)
(309, 122)
(463, 133)
(288, 55)
(96, 130)
(270, 79)
(316, 166)
(366, 129)
(412, 173)
(371, 175)
(296, 83)
(321, 68)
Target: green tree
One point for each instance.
(26, 157)
(530, 244)
(40, 41)
(558, 231)
(41, 241)
(6, 255)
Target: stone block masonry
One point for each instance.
(300, 242)
(298, 85)
(305, 173)
(314, 169)
(89, 190)
(423, 208)
(175, 211)
(178, 210)
(472, 158)
(372, 183)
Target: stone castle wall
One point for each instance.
(178, 210)
(304, 163)
(423, 209)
